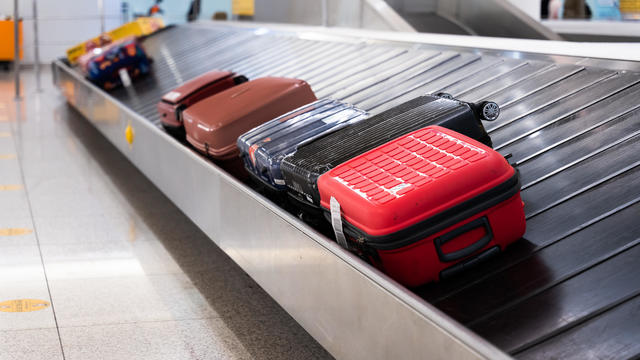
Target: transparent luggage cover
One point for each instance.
(264, 147)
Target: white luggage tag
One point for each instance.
(124, 77)
(336, 222)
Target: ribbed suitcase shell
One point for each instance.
(214, 124)
(301, 170)
(263, 148)
(426, 202)
(177, 100)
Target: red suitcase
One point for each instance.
(214, 124)
(177, 100)
(425, 205)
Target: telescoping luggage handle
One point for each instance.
(459, 254)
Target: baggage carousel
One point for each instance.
(569, 289)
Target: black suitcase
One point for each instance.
(302, 169)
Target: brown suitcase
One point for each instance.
(177, 100)
(214, 124)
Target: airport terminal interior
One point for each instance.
(319, 179)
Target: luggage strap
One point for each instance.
(336, 223)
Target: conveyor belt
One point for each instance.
(570, 288)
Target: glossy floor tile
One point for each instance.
(188, 339)
(20, 263)
(125, 273)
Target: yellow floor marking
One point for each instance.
(10, 187)
(23, 305)
(4, 134)
(15, 231)
(7, 156)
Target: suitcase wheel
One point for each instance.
(489, 110)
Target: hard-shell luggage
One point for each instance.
(214, 124)
(177, 100)
(126, 54)
(263, 148)
(93, 48)
(426, 205)
(301, 169)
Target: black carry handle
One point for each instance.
(453, 256)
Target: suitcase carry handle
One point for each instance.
(459, 254)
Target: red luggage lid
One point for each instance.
(411, 179)
(219, 120)
(178, 94)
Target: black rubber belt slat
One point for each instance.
(401, 78)
(548, 267)
(578, 297)
(615, 333)
(546, 96)
(591, 121)
(418, 85)
(526, 79)
(479, 79)
(551, 115)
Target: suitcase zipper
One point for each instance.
(439, 221)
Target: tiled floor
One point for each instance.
(128, 276)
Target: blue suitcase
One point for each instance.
(128, 53)
(263, 148)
